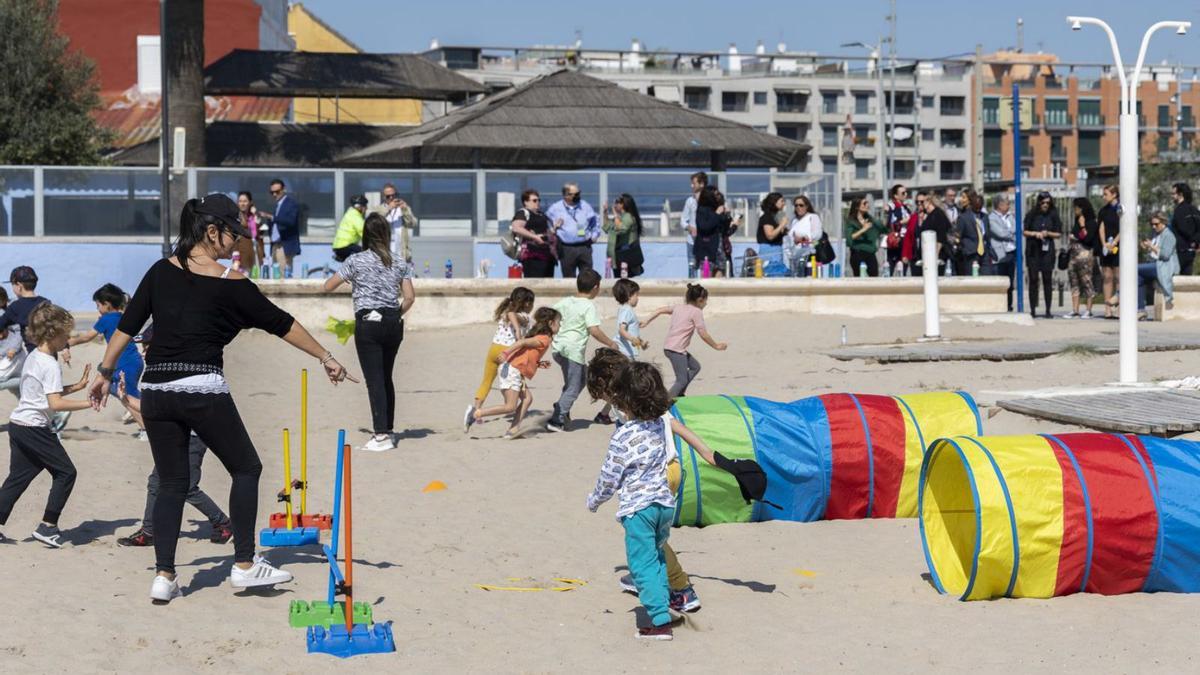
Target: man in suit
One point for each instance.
(285, 227)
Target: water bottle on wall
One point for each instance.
(608, 268)
(304, 271)
(449, 268)
(862, 269)
(426, 273)
(975, 268)
(706, 270)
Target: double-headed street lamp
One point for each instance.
(1128, 167)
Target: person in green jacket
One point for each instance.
(624, 229)
(348, 239)
(862, 236)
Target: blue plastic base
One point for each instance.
(373, 639)
(281, 536)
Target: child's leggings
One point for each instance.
(686, 369)
(490, 368)
(645, 533)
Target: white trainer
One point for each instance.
(261, 573)
(379, 444)
(164, 590)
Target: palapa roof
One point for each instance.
(315, 74)
(568, 120)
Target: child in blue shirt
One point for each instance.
(629, 335)
(110, 302)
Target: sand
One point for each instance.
(847, 595)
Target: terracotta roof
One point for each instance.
(136, 119)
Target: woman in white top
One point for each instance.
(803, 235)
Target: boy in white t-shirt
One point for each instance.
(34, 446)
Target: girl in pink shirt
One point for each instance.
(685, 321)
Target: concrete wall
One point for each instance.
(457, 302)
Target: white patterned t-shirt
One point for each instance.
(376, 286)
(636, 467)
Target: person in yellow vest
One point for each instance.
(348, 239)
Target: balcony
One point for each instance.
(1058, 155)
(832, 113)
(1187, 123)
(1059, 120)
(1091, 121)
(791, 108)
(991, 118)
(865, 111)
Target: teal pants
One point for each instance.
(645, 533)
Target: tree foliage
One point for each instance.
(46, 92)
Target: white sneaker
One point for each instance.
(127, 418)
(261, 573)
(626, 584)
(1085, 314)
(164, 589)
(379, 444)
(1070, 315)
(142, 436)
(468, 418)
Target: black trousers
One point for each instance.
(1007, 268)
(966, 262)
(872, 261)
(575, 258)
(170, 418)
(35, 449)
(1041, 266)
(340, 254)
(377, 343)
(1186, 258)
(538, 269)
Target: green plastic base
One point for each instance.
(302, 614)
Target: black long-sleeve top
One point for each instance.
(195, 316)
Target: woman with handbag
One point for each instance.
(712, 221)
(624, 230)
(536, 237)
(1080, 262)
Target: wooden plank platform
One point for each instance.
(996, 350)
(1157, 413)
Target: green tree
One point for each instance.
(46, 92)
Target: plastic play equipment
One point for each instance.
(303, 518)
(341, 628)
(1041, 516)
(826, 457)
(291, 534)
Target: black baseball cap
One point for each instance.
(751, 479)
(358, 200)
(223, 208)
(23, 274)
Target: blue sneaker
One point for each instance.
(685, 600)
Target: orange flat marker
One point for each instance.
(434, 486)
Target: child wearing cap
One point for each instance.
(348, 239)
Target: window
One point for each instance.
(1026, 151)
(1089, 113)
(1164, 116)
(1058, 153)
(927, 166)
(734, 101)
(1162, 143)
(149, 73)
(1185, 117)
(905, 169)
(954, 138)
(829, 164)
(953, 170)
(862, 104)
(829, 102)
(760, 98)
(695, 98)
(790, 101)
(954, 105)
(829, 135)
(993, 144)
(904, 102)
(862, 169)
(795, 132)
(862, 135)
(927, 101)
(1089, 149)
(991, 111)
(928, 134)
(1186, 141)
(1057, 115)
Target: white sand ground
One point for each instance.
(516, 509)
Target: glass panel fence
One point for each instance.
(16, 202)
(504, 193)
(313, 190)
(100, 202)
(443, 202)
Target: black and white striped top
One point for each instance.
(376, 286)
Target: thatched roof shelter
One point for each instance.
(568, 120)
(327, 74)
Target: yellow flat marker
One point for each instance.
(568, 585)
(434, 486)
(804, 573)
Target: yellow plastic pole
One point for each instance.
(287, 477)
(304, 441)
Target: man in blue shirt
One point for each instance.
(577, 228)
(285, 227)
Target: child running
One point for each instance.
(222, 530)
(110, 303)
(33, 444)
(579, 321)
(518, 364)
(16, 317)
(512, 320)
(686, 320)
(629, 338)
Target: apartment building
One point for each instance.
(831, 104)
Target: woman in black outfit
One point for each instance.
(938, 222)
(378, 280)
(770, 229)
(532, 227)
(1042, 227)
(1106, 248)
(712, 221)
(198, 306)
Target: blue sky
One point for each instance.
(926, 28)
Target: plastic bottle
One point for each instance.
(862, 269)
(887, 270)
(975, 268)
(236, 261)
(758, 268)
(254, 271)
(844, 335)
(624, 270)
(691, 268)
(706, 269)
(304, 271)
(449, 268)
(608, 268)
(275, 271)
(426, 273)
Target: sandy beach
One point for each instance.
(844, 595)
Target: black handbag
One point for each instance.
(631, 255)
(1064, 259)
(824, 250)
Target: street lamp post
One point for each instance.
(1128, 167)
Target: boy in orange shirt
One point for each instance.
(519, 363)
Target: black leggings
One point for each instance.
(170, 418)
(377, 343)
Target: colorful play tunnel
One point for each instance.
(1041, 516)
(826, 457)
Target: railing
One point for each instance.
(790, 108)
(1187, 122)
(991, 117)
(124, 202)
(1091, 121)
(1058, 119)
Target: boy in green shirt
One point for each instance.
(579, 321)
